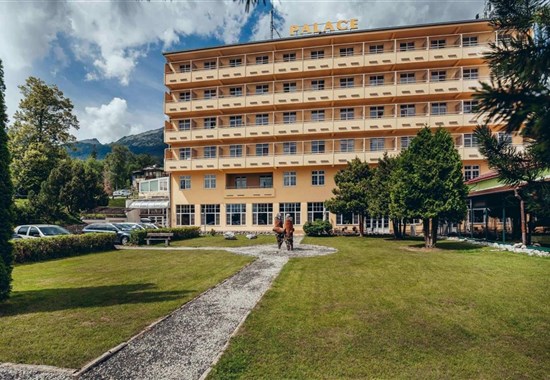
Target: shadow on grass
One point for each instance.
(451, 246)
(46, 300)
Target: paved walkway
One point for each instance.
(185, 344)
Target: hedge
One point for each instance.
(318, 228)
(40, 249)
(137, 237)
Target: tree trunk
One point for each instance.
(361, 225)
(404, 232)
(426, 230)
(395, 228)
(435, 227)
(522, 216)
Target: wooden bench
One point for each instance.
(166, 236)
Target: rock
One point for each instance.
(251, 236)
(229, 235)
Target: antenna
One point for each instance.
(272, 23)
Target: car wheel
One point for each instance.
(124, 240)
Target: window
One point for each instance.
(262, 214)
(406, 46)
(470, 106)
(346, 52)
(184, 125)
(266, 181)
(235, 214)
(289, 117)
(438, 76)
(316, 211)
(376, 112)
(210, 215)
(346, 82)
(289, 179)
(347, 145)
(163, 184)
(235, 91)
(347, 114)
(406, 141)
(210, 94)
(347, 219)
(317, 54)
(407, 110)
(318, 115)
(209, 152)
(289, 147)
(471, 172)
(236, 121)
(240, 182)
(318, 146)
(185, 153)
(185, 182)
(289, 57)
(469, 41)
(209, 122)
(262, 60)
(235, 62)
(318, 84)
(262, 149)
(262, 119)
(470, 140)
(376, 80)
(185, 215)
(209, 181)
(437, 44)
(293, 209)
(185, 68)
(235, 150)
(407, 78)
(377, 144)
(504, 137)
(439, 108)
(262, 89)
(185, 96)
(318, 177)
(289, 87)
(376, 49)
(470, 73)
(209, 65)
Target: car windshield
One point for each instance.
(53, 230)
(125, 226)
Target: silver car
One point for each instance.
(39, 230)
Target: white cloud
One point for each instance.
(108, 122)
(370, 13)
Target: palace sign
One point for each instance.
(340, 25)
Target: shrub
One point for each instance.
(318, 228)
(40, 249)
(180, 233)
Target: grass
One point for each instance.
(387, 309)
(69, 311)
(117, 202)
(219, 241)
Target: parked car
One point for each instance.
(40, 230)
(122, 234)
(129, 226)
(149, 226)
(122, 193)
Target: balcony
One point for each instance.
(250, 192)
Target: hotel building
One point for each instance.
(259, 128)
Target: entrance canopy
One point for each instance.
(149, 204)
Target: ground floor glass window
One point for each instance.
(262, 214)
(293, 209)
(185, 215)
(210, 215)
(235, 214)
(315, 211)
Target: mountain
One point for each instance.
(150, 142)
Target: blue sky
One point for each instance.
(106, 55)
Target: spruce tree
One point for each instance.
(6, 198)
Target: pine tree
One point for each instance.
(6, 198)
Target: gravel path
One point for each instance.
(10, 371)
(186, 343)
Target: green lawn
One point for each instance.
(117, 202)
(377, 309)
(219, 241)
(69, 311)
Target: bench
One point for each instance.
(166, 236)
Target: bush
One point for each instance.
(318, 228)
(40, 249)
(180, 233)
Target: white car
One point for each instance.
(122, 193)
(40, 230)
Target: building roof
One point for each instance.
(373, 30)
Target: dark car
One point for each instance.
(122, 233)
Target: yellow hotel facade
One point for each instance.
(259, 128)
